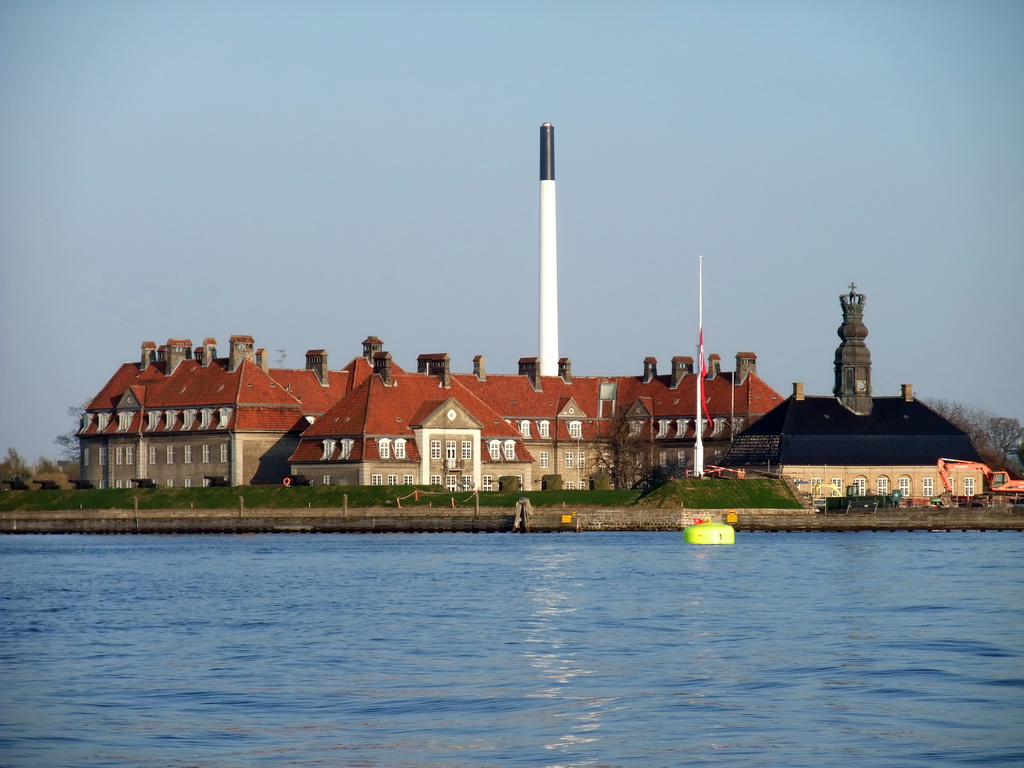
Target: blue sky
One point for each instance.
(311, 173)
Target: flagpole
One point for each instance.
(698, 428)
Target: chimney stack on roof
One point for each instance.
(148, 355)
(798, 390)
(565, 369)
(478, 368)
(746, 363)
(436, 364)
(714, 365)
(650, 369)
(529, 367)
(208, 352)
(382, 366)
(371, 344)
(907, 391)
(241, 348)
(316, 361)
(177, 350)
(680, 367)
(263, 360)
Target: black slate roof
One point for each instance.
(820, 430)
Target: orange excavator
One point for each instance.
(998, 481)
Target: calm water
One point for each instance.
(503, 650)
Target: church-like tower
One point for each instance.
(853, 359)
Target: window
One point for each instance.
(154, 420)
(510, 450)
(170, 454)
(635, 427)
(663, 427)
(327, 479)
(328, 450)
(129, 455)
(170, 482)
(467, 450)
(152, 454)
(575, 429)
(569, 460)
(376, 479)
(927, 487)
(205, 418)
(188, 482)
(904, 486)
(187, 417)
(968, 486)
(545, 429)
(400, 448)
(663, 458)
(450, 450)
(124, 421)
(188, 454)
(85, 457)
(392, 479)
(952, 485)
(717, 425)
(837, 483)
(882, 485)
(544, 460)
(119, 484)
(435, 479)
(407, 479)
(681, 427)
(524, 428)
(861, 483)
(680, 458)
(487, 483)
(467, 482)
(494, 447)
(224, 453)
(384, 448)
(225, 417)
(119, 455)
(102, 419)
(451, 482)
(169, 418)
(346, 448)
(569, 485)
(435, 449)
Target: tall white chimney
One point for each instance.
(548, 356)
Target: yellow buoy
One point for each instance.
(709, 533)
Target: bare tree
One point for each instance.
(626, 453)
(14, 466)
(996, 437)
(68, 441)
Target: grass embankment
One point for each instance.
(691, 494)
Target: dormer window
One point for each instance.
(524, 428)
(154, 420)
(510, 450)
(124, 420)
(717, 426)
(575, 429)
(188, 416)
(170, 416)
(102, 419)
(86, 421)
(225, 417)
(494, 449)
(400, 448)
(545, 429)
(205, 418)
(663, 425)
(384, 448)
(681, 427)
(328, 450)
(346, 449)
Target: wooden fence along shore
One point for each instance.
(521, 519)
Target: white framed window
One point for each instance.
(170, 482)
(102, 420)
(717, 425)
(154, 420)
(952, 485)
(119, 484)
(188, 454)
(510, 450)
(861, 484)
(663, 458)
(570, 460)
(663, 425)
(119, 455)
(581, 459)
(494, 448)
(451, 482)
(544, 459)
(545, 429)
(129, 455)
(85, 457)
(152, 454)
(968, 486)
(927, 486)
(400, 448)
(170, 454)
(328, 450)
(376, 479)
(467, 450)
(187, 417)
(205, 418)
(435, 449)
(188, 482)
(524, 428)
(346, 448)
(384, 448)
(170, 416)
(681, 427)
(882, 485)
(225, 417)
(569, 485)
(575, 429)
(904, 485)
(635, 427)
(124, 421)
(450, 449)
(837, 483)
(487, 483)
(327, 479)
(392, 479)
(435, 479)
(406, 479)
(467, 482)
(224, 453)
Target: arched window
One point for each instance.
(328, 450)
(861, 484)
(904, 486)
(575, 429)
(346, 449)
(524, 428)
(384, 448)
(510, 450)
(882, 485)
(545, 429)
(494, 448)
(400, 448)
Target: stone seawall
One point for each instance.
(420, 520)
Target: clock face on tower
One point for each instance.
(861, 385)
